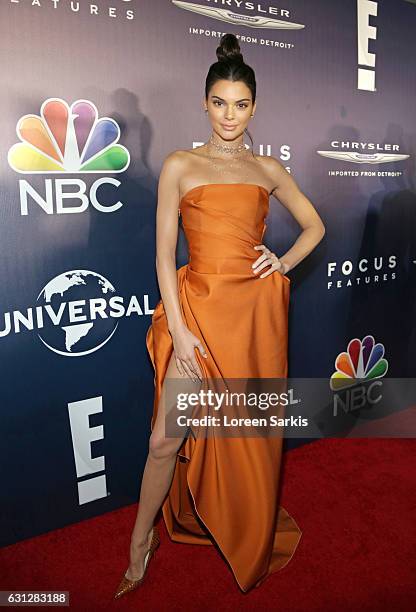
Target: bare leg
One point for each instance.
(157, 478)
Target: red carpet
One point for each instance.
(355, 501)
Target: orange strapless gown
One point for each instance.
(226, 489)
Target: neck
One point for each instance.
(234, 143)
(225, 149)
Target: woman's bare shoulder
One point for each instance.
(182, 161)
(182, 154)
(272, 167)
(268, 162)
(180, 158)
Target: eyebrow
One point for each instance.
(242, 99)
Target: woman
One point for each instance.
(230, 303)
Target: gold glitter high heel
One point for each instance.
(126, 585)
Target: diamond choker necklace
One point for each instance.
(226, 148)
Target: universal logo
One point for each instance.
(359, 152)
(363, 272)
(113, 9)
(265, 17)
(67, 139)
(76, 313)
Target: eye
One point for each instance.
(241, 105)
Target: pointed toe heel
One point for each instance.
(126, 585)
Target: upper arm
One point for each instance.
(292, 198)
(168, 205)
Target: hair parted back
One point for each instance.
(231, 67)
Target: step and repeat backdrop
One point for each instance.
(94, 96)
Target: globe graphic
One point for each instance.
(70, 327)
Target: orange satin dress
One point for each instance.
(225, 490)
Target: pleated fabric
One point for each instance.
(225, 490)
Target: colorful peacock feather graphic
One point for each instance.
(68, 139)
(364, 359)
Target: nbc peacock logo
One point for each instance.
(67, 138)
(363, 360)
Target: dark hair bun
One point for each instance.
(229, 49)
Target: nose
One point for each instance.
(229, 114)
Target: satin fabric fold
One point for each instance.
(225, 490)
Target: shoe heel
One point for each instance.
(127, 585)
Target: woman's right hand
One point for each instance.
(184, 344)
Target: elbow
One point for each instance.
(319, 232)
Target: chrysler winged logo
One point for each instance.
(251, 21)
(364, 158)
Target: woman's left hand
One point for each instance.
(268, 258)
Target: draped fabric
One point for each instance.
(225, 490)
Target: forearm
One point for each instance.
(168, 285)
(304, 244)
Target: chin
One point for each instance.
(231, 134)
